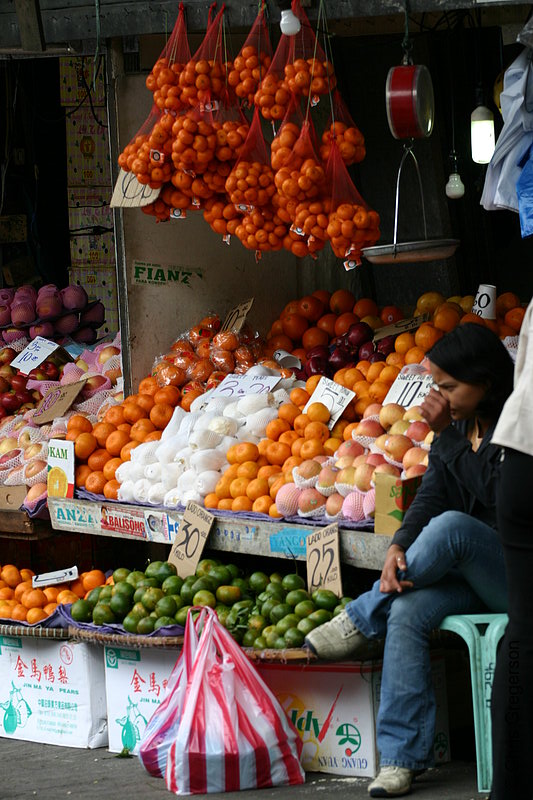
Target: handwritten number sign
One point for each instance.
(411, 386)
(334, 396)
(59, 576)
(323, 561)
(34, 354)
(237, 316)
(129, 193)
(402, 326)
(190, 539)
(239, 385)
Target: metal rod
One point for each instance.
(408, 151)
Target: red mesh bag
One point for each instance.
(203, 80)
(261, 230)
(299, 67)
(303, 175)
(171, 204)
(250, 183)
(350, 140)
(163, 80)
(352, 223)
(148, 155)
(252, 62)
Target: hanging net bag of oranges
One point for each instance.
(350, 140)
(203, 80)
(253, 61)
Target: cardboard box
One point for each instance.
(135, 681)
(92, 241)
(334, 708)
(52, 692)
(88, 158)
(393, 498)
(100, 284)
(76, 76)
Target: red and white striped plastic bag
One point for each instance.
(163, 725)
(233, 734)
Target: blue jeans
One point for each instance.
(457, 567)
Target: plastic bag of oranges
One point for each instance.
(252, 62)
(250, 183)
(352, 223)
(350, 140)
(163, 80)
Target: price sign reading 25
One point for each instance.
(323, 561)
(190, 539)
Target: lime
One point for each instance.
(222, 613)
(271, 638)
(166, 607)
(337, 610)
(324, 598)
(124, 588)
(304, 608)
(243, 605)
(279, 611)
(345, 600)
(249, 638)
(279, 643)
(186, 592)
(306, 625)
(94, 595)
(145, 582)
(151, 597)
(204, 583)
(275, 590)
(267, 606)
(105, 592)
(320, 616)
(145, 625)
(204, 598)
(288, 621)
(296, 596)
(82, 610)
(120, 574)
(234, 570)
(268, 630)
(292, 581)
(204, 566)
(220, 575)
(258, 582)
(134, 577)
(260, 643)
(163, 621)
(172, 584)
(294, 638)
(177, 599)
(181, 615)
(276, 577)
(256, 622)
(228, 594)
(130, 622)
(152, 569)
(137, 595)
(139, 610)
(165, 571)
(120, 605)
(242, 584)
(103, 615)
(262, 597)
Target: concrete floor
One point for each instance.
(46, 772)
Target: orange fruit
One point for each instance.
(133, 412)
(110, 467)
(116, 441)
(146, 401)
(414, 355)
(404, 342)
(344, 322)
(80, 423)
(300, 424)
(35, 615)
(161, 414)
(268, 470)
(211, 500)
(361, 388)
(505, 302)
(262, 504)
(365, 307)
(474, 319)
(288, 412)
(168, 394)
(10, 575)
(275, 428)
(26, 573)
(351, 375)
(312, 447)
(34, 598)
(110, 489)
(76, 587)
(311, 384)
(316, 430)
(66, 596)
(238, 487)
(288, 437)
(155, 436)
(296, 446)
(514, 318)
(7, 592)
(361, 404)
(256, 488)
(19, 612)
(148, 386)
(98, 459)
(50, 608)
(428, 302)
(299, 396)
(277, 452)
(248, 469)
(245, 451)
(125, 452)
(84, 445)
(273, 512)
(331, 445)
(187, 399)
(51, 593)
(505, 330)
(290, 463)
(389, 374)
(378, 391)
(318, 412)
(374, 371)
(22, 587)
(395, 360)
(92, 579)
(81, 474)
(241, 503)
(102, 430)
(225, 503)
(276, 486)
(115, 415)
(426, 336)
(124, 426)
(341, 301)
(446, 318)
(141, 429)
(95, 482)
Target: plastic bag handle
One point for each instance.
(408, 151)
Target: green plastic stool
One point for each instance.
(481, 632)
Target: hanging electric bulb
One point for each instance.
(290, 24)
(455, 188)
(482, 136)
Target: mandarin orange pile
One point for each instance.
(350, 141)
(248, 69)
(20, 602)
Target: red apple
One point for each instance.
(363, 477)
(358, 334)
(6, 371)
(4, 385)
(397, 446)
(372, 410)
(400, 426)
(389, 413)
(10, 401)
(345, 461)
(417, 430)
(376, 459)
(415, 470)
(7, 354)
(349, 448)
(50, 369)
(360, 459)
(33, 468)
(387, 469)
(368, 427)
(18, 381)
(9, 456)
(415, 455)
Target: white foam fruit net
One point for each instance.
(40, 477)
(72, 374)
(15, 477)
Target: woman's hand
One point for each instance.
(436, 411)
(394, 561)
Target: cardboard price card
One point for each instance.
(410, 387)
(323, 560)
(237, 316)
(190, 539)
(401, 326)
(239, 385)
(60, 479)
(129, 193)
(333, 396)
(58, 576)
(57, 402)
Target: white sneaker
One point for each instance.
(336, 639)
(391, 782)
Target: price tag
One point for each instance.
(401, 326)
(129, 193)
(411, 386)
(239, 385)
(485, 302)
(286, 359)
(323, 562)
(57, 401)
(334, 396)
(59, 576)
(157, 156)
(190, 539)
(34, 354)
(178, 213)
(237, 316)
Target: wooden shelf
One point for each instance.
(18, 525)
(276, 538)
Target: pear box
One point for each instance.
(393, 498)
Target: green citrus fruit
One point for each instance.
(172, 584)
(234, 570)
(163, 621)
(138, 593)
(204, 598)
(186, 592)
(306, 625)
(258, 582)
(304, 608)
(105, 592)
(94, 595)
(139, 610)
(324, 598)
(82, 610)
(288, 621)
(120, 574)
(204, 565)
(152, 569)
(103, 614)
(204, 584)
(177, 599)
(260, 643)
(151, 597)
(228, 594)
(145, 625)
(294, 638)
(292, 581)
(120, 605)
(166, 607)
(271, 638)
(130, 622)
(275, 590)
(276, 577)
(134, 577)
(222, 613)
(268, 605)
(279, 643)
(249, 638)
(220, 575)
(181, 615)
(256, 622)
(124, 588)
(296, 596)
(145, 582)
(242, 584)
(320, 616)
(279, 611)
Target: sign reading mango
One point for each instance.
(148, 273)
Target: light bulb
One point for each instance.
(482, 134)
(289, 23)
(455, 188)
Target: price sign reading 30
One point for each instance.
(190, 539)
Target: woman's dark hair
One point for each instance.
(474, 354)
